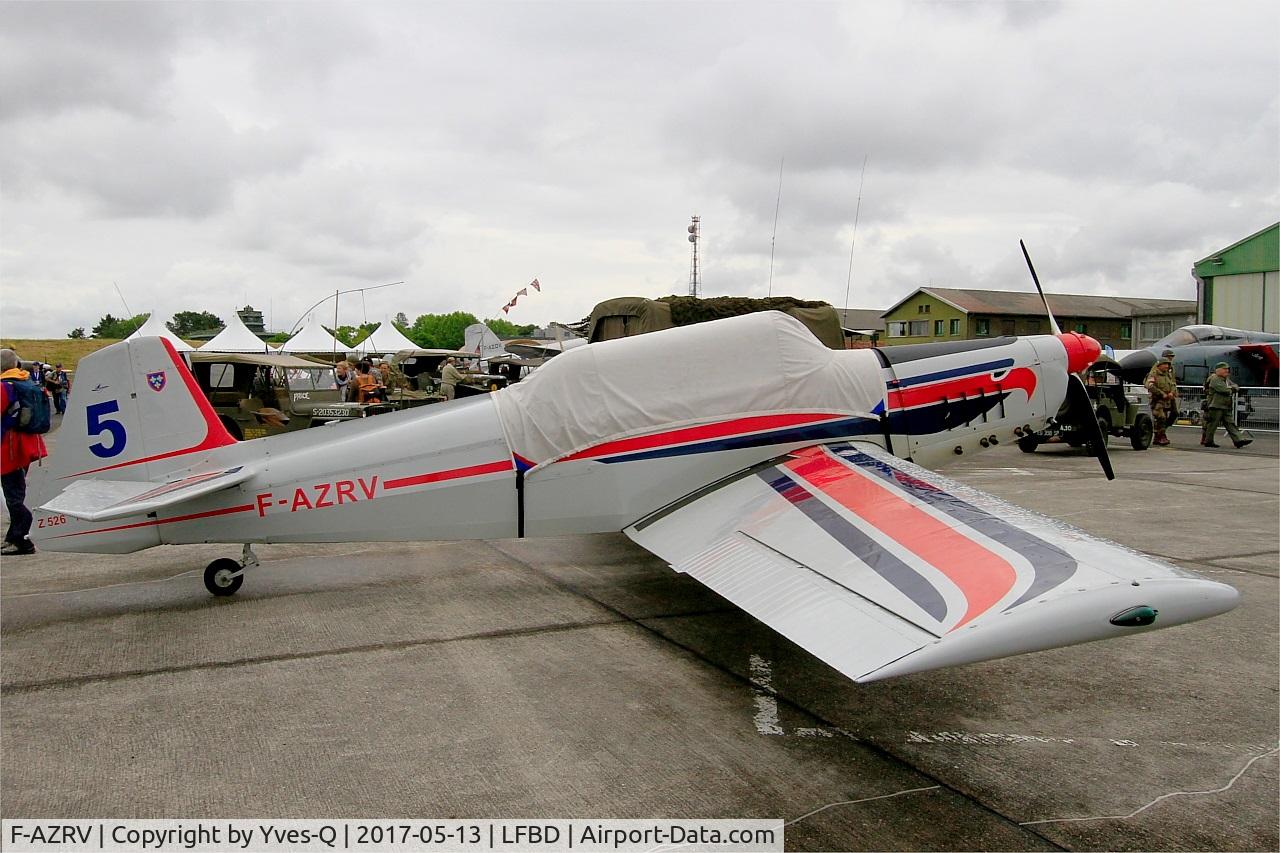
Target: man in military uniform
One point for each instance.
(1219, 403)
(1163, 389)
(450, 376)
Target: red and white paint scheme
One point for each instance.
(784, 475)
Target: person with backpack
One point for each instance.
(24, 416)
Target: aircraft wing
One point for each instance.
(101, 500)
(880, 567)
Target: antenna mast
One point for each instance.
(772, 239)
(695, 232)
(848, 282)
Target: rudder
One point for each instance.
(135, 413)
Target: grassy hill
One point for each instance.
(64, 351)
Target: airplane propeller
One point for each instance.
(1078, 409)
(1053, 324)
(1080, 414)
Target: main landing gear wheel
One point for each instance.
(223, 576)
(1028, 443)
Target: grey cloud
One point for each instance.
(183, 166)
(341, 222)
(60, 56)
(290, 146)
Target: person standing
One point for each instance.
(1219, 407)
(1163, 389)
(450, 376)
(18, 450)
(55, 381)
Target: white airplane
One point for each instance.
(480, 339)
(783, 475)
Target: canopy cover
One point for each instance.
(236, 337)
(635, 315)
(155, 328)
(313, 338)
(754, 364)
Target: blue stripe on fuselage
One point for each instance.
(811, 432)
(973, 369)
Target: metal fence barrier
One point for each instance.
(1256, 408)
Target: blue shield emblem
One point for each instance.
(156, 380)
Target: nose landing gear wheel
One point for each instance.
(223, 576)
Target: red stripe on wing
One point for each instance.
(982, 575)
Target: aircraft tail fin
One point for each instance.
(480, 339)
(135, 413)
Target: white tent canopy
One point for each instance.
(385, 338)
(155, 328)
(313, 338)
(236, 337)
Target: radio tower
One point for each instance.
(695, 231)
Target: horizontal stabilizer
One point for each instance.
(102, 500)
(880, 567)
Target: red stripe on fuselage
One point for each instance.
(156, 521)
(964, 387)
(451, 474)
(757, 423)
(982, 575)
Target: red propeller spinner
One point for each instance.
(1082, 350)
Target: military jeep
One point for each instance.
(1118, 410)
(260, 394)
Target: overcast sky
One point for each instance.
(207, 156)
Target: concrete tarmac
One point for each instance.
(580, 677)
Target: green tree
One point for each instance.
(441, 331)
(76, 334)
(402, 321)
(112, 328)
(186, 322)
(507, 329)
(352, 335)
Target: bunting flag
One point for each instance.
(524, 291)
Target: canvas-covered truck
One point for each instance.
(260, 394)
(421, 368)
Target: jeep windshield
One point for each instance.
(311, 379)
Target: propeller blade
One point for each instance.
(1081, 415)
(1053, 324)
